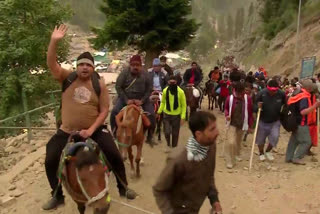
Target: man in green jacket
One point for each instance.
(173, 105)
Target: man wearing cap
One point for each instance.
(83, 111)
(157, 75)
(271, 100)
(134, 86)
(306, 133)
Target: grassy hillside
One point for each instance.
(278, 54)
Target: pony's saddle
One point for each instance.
(70, 151)
(72, 148)
(142, 119)
(156, 96)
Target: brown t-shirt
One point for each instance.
(80, 104)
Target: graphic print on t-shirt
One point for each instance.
(82, 95)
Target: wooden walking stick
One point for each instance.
(318, 120)
(224, 141)
(254, 138)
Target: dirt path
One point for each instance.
(270, 188)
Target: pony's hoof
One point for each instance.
(132, 174)
(142, 162)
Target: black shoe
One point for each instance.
(129, 194)
(151, 142)
(53, 203)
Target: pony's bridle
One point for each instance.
(97, 197)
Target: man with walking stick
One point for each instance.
(271, 100)
(238, 112)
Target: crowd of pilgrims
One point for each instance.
(242, 94)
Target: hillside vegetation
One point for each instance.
(273, 44)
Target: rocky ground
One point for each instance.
(270, 188)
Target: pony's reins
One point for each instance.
(102, 194)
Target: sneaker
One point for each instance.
(262, 157)
(298, 162)
(238, 159)
(151, 142)
(129, 194)
(269, 156)
(53, 203)
(167, 150)
(310, 153)
(142, 161)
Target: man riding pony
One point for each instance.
(84, 108)
(134, 86)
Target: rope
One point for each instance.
(84, 192)
(131, 206)
(121, 144)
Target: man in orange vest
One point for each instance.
(215, 75)
(301, 139)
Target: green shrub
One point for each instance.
(278, 15)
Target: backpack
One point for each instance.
(65, 85)
(288, 117)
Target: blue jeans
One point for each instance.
(147, 107)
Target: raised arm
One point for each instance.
(57, 35)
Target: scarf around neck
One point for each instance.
(173, 89)
(195, 151)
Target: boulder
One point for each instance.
(7, 201)
(11, 150)
(16, 193)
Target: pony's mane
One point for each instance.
(128, 122)
(86, 158)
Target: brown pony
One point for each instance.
(155, 100)
(84, 176)
(131, 122)
(192, 101)
(212, 95)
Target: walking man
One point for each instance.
(165, 66)
(84, 109)
(238, 112)
(224, 92)
(271, 100)
(174, 106)
(158, 77)
(188, 176)
(300, 140)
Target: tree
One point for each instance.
(149, 25)
(230, 27)
(251, 10)
(221, 26)
(239, 22)
(277, 15)
(25, 28)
